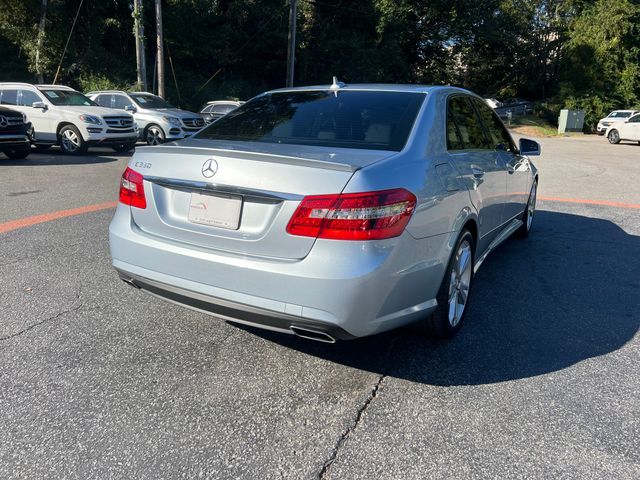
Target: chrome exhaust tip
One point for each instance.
(312, 334)
(130, 281)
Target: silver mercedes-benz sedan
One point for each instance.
(329, 212)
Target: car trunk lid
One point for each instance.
(238, 197)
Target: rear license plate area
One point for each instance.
(215, 210)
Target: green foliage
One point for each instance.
(90, 81)
(578, 53)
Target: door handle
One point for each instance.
(477, 172)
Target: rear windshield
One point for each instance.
(68, 97)
(348, 119)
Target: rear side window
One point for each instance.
(120, 102)
(635, 119)
(28, 98)
(464, 129)
(348, 119)
(103, 100)
(499, 138)
(9, 97)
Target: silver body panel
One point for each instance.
(358, 287)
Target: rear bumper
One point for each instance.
(235, 312)
(346, 289)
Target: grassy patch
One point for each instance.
(534, 126)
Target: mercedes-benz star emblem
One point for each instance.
(3, 121)
(122, 121)
(209, 168)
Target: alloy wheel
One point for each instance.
(154, 136)
(614, 137)
(531, 206)
(70, 141)
(460, 282)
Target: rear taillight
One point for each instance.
(132, 189)
(354, 216)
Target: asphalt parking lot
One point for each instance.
(98, 380)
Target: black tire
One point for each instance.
(154, 135)
(71, 141)
(438, 324)
(43, 147)
(528, 214)
(613, 136)
(125, 147)
(18, 153)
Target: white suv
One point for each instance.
(62, 116)
(613, 118)
(159, 121)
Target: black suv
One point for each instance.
(15, 134)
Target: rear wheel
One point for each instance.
(125, 147)
(71, 141)
(18, 153)
(527, 216)
(613, 136)
(154, 135)
(453, 295)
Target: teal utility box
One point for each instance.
(570, 121)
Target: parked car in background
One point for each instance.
(518, 106)
(62, 116)
(493, 103)
(329, 212)
(613, 118)
(628, 130)
(211, 111)
(158, 121)
(15, 133)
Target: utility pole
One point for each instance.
(291, 52)
(140, 53)
(160, 43)
(43, 22)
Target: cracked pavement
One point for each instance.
(99, 380)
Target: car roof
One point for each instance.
(224, 102)
(624, 111)
(374, 87)
(38, 86)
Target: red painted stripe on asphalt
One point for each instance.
(603, 203)
(48, 217)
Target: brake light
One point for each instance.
(354, 216)
(132, 189)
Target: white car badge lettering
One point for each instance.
(209, 168)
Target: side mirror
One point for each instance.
(529, 147)
(41, 105)
(130, 108)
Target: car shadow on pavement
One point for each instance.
(56, 157)
(569, 292)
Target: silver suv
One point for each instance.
(157, 119)
(62, 116)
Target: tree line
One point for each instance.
(559, 53)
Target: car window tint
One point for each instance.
(349, 119)
(635, 119)
(120, 101)
(9, 97)
(499, 138)
(454, 142)
(28, 98)
(103, 100)
(223, 108)
(468, 125)
(206, 109)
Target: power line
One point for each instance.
(55, 79)
(262, 27)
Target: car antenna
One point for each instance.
(335, 86)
